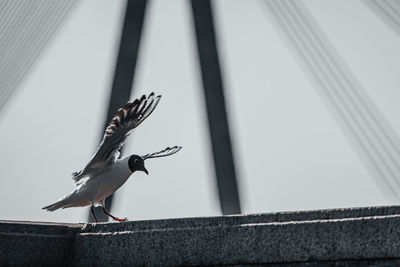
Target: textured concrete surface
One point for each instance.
(244, 219)
(31, 243)
(296, 241)
(353, 263)
(341, 237)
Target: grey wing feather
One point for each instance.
(163, 153)
(125, 120)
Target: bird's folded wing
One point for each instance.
(125, 120)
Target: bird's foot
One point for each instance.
(121, 220)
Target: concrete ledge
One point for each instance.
(29, 243)
(310, 238)
(244, 219)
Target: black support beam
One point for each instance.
(216, 110)
(124, 71)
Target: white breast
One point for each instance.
(109, 181)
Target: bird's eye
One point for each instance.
(135, 161)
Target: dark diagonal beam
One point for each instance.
(216, 111)
(124, 71)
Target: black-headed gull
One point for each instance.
(105, 173)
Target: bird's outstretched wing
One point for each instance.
(125, 120)
(163, 153)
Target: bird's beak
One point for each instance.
(144, 169)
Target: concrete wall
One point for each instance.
(311, 238)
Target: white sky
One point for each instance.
(290, 153)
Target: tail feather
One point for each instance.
(55, 206)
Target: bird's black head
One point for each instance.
(136, 163)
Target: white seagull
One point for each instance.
(105, 173)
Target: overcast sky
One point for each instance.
(289, 151)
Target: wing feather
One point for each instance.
(163, 153)
(125, 120)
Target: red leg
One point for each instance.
(94, 215)
(114, 218)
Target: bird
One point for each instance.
(106, 172)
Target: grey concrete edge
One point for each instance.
(320, 235)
